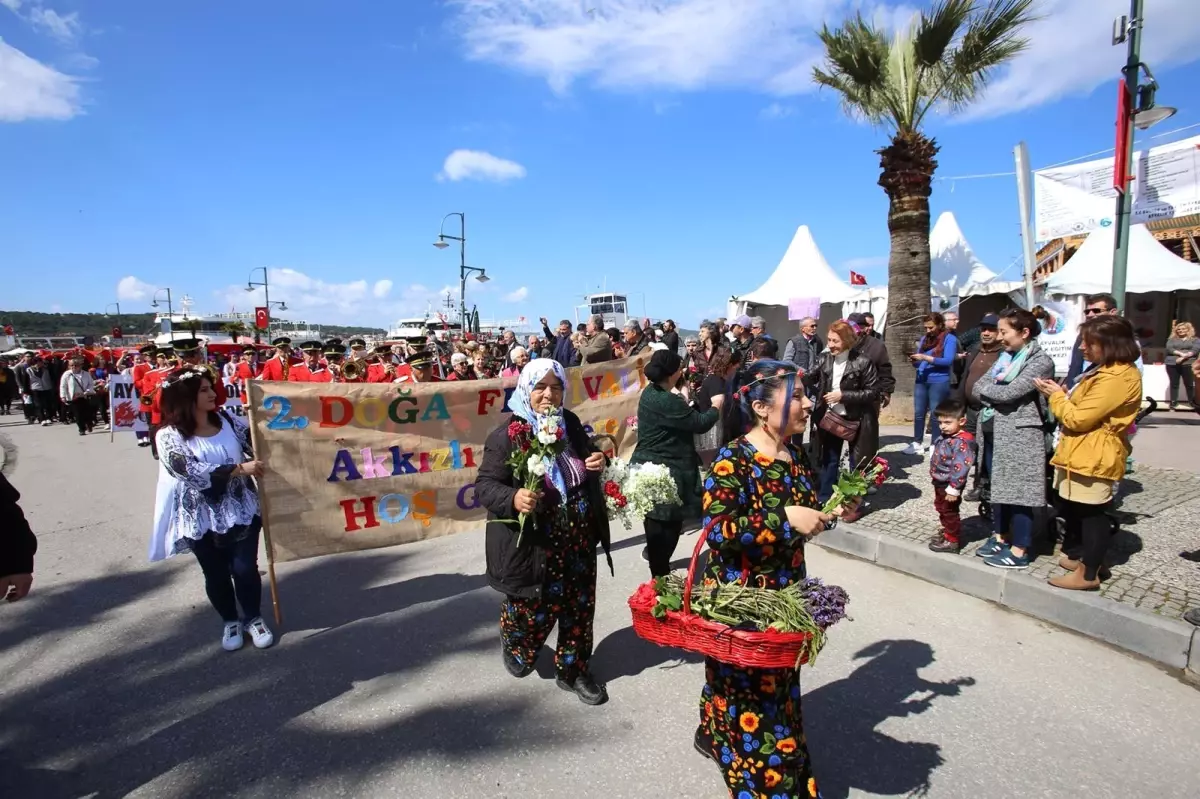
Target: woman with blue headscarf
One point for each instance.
(547, 569)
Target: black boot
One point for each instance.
(585, 688)
(513, 667)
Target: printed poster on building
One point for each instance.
(358, 466)
(1076, 199)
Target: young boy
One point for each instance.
(952, 461)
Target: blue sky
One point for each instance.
(666, 147)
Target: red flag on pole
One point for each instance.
(856, 279)
(262, 318)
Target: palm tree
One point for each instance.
(235, 329)
(942, 60)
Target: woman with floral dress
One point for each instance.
(547, 568)
(751, 722)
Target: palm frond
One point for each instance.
(937, 30)
(993, 37)
(856, 67)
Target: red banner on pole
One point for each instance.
(262, 318)
(1121, 176)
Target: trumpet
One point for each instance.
(353, 371)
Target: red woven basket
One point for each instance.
(683, 629)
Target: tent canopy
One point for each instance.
(1152, 267)
(954, 271)
(802, 272)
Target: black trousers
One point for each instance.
(1177, 374)
(1087, 533)
(81, 409)
(45, 403)
(231, 573)
(661, 540)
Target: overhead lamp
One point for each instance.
(441, 243)
(483, 278)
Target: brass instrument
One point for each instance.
(287, 367)
(354, 371)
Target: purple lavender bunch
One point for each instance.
(826, 603)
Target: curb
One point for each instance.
(1175, 644)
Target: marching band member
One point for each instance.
(246, 369)
(384, 370)
(150, 387)
(279, 366)
(329, 371)
(358, 349)
(191, 353)
(418, 369)
(303, 372)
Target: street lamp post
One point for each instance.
(463, 269)
(1135, 109)
(118, 307)
(251, 285)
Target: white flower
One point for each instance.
(546, 438)
(536, 467)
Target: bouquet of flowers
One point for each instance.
(809, 606)
(631, 492)
(532, 451)
(853, 484)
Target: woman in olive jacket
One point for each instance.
(847, 383)
(547, 569)
(667, 428)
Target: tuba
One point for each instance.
(353, 371)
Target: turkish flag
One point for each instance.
(262, 318)
(856, 279)
(8, 330)
(116, 332)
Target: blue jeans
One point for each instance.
(1014, 519)
(231, 571)
(830, 457)
(926, 398)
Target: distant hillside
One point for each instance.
(33, 323)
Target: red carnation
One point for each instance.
(558, 434)
(514, 430)
(526, 445)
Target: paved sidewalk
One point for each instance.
(1158, 509)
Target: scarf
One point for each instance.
(1007, 367)
(934, 345)
(521, 404)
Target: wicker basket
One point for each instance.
(683, 629)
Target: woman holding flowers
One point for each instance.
(751, 723)
(541, 468)
(667, 427)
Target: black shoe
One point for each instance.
(82, 433)
(945, 545)
(514, 668)
(701, 748)
(585, 688)
(973, 495)
(646, 554)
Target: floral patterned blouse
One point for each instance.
(757, 544)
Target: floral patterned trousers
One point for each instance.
(568, 599)
(752, 725)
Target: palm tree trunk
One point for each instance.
(907, 166)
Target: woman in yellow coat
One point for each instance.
(1094, 418)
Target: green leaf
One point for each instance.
(716, 509)
(767, 749)
(773, 520)
(768, 738)
(771, 501)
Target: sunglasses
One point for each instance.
(1093, 311)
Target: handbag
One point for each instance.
(837, 425)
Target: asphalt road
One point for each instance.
(387, 680)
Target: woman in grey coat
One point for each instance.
(1017, 411)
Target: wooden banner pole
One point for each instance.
(265, 511)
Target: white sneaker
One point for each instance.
(913, 448)
(260, 633)
(46, 423)
(232, 639)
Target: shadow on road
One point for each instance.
(849, 753)
(167, 701)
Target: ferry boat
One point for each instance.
(217, 331)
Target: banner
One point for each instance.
(1060, 328)
(235, 400)
(360, 465)
(123, 404)
(1075, 200)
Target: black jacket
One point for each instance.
(521, 571)
(876, 352)
(803, 351)
(17, 541)
(671, 340)
(861, 392)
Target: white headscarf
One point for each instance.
(521, 404)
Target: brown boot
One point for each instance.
(1067, 563)
(1075, 581)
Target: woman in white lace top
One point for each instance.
(207, 503)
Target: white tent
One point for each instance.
(954, 271)
(1152, 267)
(802, 272)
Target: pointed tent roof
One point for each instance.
(1152, 267)
(802, 272)
(954, 271)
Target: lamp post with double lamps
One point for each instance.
(251, 285)
(463, 269)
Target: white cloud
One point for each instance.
(517, 296)
(12, 5)
(355, 302)
(769, 46)
(777, 111)
(31, 90)
(381, 289)
(478, 165)
(130, 288)
(65, 28)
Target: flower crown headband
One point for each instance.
(187, 375)
(744, 390)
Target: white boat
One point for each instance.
(441, 325)
(214, 329)
(613, 307)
